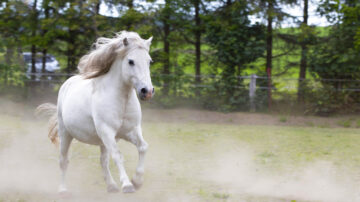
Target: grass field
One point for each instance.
(193, 156)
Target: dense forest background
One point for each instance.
(204, 51)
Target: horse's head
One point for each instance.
(136, 67)
(128, 52)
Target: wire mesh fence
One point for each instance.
(250, 92)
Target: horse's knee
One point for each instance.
(143, 147)
(117, 156)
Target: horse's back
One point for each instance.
(74, 108)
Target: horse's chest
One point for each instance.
(130, 121)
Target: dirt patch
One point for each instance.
(180, 166)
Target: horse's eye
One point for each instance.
(131, 62)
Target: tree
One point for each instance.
(194, 29)
(47, 29)
(167, 20)
(34, 27)
(304, 50)
(235, 40)
(13, 18)
(337, 56)
(272, 12)
(131, 13)
(74, 29)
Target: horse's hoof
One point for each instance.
(128, 188)
(137, 185)
(112, 188)
(64, 194)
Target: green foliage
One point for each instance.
(345, 123)
(358, 123)
(11, 76)
(328, 100)
(236, 41)
(283, 119)
(337, 55)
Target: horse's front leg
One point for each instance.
(104, 160)
(107, 135)
(137, 139)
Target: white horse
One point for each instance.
(100, 105)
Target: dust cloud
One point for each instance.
(318, 181)
(29, 171)
(26, 160)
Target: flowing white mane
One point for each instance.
(99, 60)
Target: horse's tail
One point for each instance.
(49, 109)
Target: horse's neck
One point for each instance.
(114, 85)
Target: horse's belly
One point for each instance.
(94, 139)
(81, 128)
(76, 114)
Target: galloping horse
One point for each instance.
(100, 105)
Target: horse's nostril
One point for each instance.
(143, 90)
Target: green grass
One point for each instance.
(285, 145)
(221, 195)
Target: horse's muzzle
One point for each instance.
(146, 94)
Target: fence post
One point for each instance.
(252, 90)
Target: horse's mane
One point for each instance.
(105, 50)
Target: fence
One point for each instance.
(253, 89)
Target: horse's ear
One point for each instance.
(125, 42)
(148, 42)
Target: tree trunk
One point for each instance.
(9, 54)
(20, 56)
(44, 31)
(43, 67)
(94, 18)
(33, 34)
(228, 3)
(97, 7)
(130, 5)
(70, 53)
(269, 40)
(303, 61)
(166, 69)
(197, 45)
(33, 61)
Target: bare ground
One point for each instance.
(180, 166)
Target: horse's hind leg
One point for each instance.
(104, 160)
(65, 141)
(137, 139)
